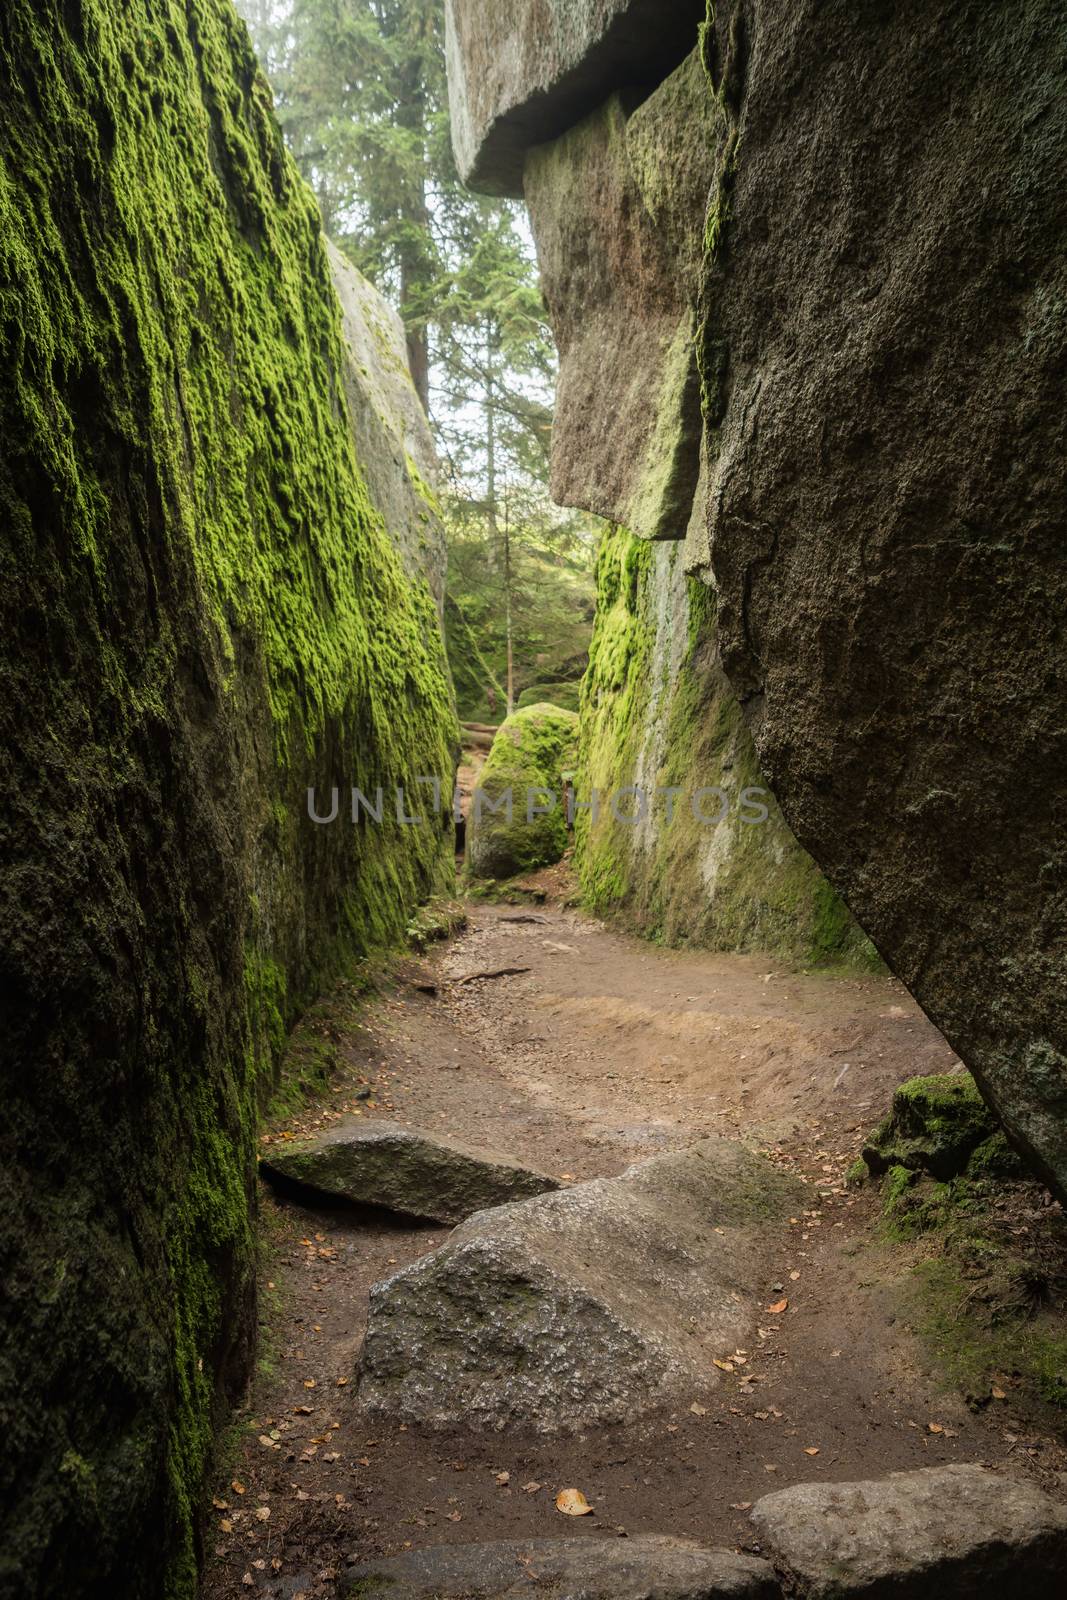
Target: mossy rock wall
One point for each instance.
(203, 613)
(657, 714)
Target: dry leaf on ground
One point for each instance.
(572, 1503)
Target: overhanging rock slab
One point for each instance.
(522, 73)
(617, 206)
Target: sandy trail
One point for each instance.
(606, 1050)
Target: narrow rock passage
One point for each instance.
(605, 1051)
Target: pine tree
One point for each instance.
(360, 91)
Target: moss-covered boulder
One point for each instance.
(937, 1125)
(518, 817)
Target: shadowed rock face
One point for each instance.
(886, 498)
(880, 351)
(620, 266)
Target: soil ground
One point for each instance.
(602, 1051)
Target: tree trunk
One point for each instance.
(416, 267)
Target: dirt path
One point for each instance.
(604, 1050)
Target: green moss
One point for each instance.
(986, 1284)
(534, 749)
(203, 614)
(657, 710)
(936, 1125)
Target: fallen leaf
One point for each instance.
(778, 1307)
(532, 1488)
(309, 1383)
(303, 1411)
(998, 1394)
(332, 1455)
(935, 1427)
(221, 1505)
(341, 1382)
(238, 1488)
(742, 1505)
(262, 1513)
(724, 1366)
(794, 1277)
(455, 1516)
(503, 1477)
(248, 1580)
(698, 1410)
(572, 1503)
(811, 1450)
(226, 1525)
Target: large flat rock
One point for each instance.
(403, 1169)
(522, 73)
(647, 1567)
(593, 1305)
(954, 1532)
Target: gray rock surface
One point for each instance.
(626, 440)
(393, 440)
(522, 73)
(647, 1567)
(596, 1304)
(881, 348)
(945, 1531)
(403, 1169)
(886, 495)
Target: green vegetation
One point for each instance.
(203, 616)
(361, 96)
(986, 1287)
(535, 749)
(656, 712)
(939, 1125)
(552, 601)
